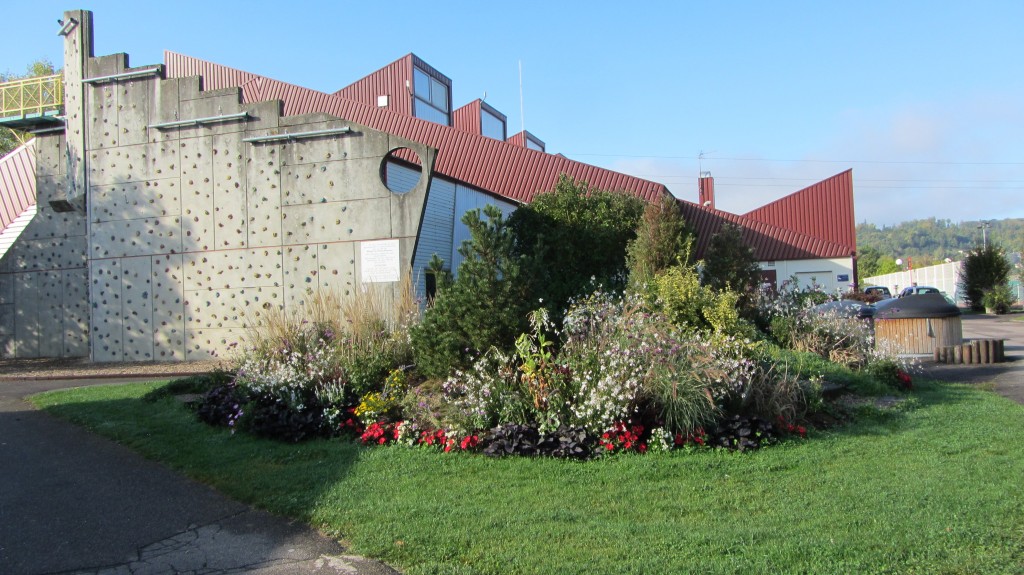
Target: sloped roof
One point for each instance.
(816, 222)
(498, 167)
(823, 210)
(770, 242)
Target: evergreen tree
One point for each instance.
(662, 240)
(729, 262)
(985, 268)
(485, 306)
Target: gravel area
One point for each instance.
(73, 368)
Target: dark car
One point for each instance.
(877, 293)
(846, 308)
(918, 290)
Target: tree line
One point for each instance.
(931, 241)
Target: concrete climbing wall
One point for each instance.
(193, 230)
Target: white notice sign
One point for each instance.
(379, 261)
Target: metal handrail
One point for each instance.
(32, 96)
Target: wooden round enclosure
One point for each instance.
(917, 324)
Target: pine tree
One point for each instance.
(662, 240)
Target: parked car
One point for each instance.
(846, 308)
(877, 293)
(918, 290)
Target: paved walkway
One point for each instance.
(74, 503)
(1008, 377)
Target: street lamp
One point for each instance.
(984, 234)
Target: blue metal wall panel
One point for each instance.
(435, 231)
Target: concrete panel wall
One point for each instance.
(193, 229)
(43, 285)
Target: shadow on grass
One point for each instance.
(283, 478)
(867, 416)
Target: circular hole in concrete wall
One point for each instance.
(400, 171)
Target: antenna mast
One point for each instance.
(522, 118)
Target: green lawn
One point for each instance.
(935, 487)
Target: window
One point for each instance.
(491, 125)
(431, 102)
(534, 144)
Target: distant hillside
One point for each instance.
(930, 241)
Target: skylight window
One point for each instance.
(431, 98)
(492, 125)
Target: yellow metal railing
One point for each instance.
(32, 96)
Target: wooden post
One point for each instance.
(935, 353)
(1000, 351)
(985, 343)
(957, 355)
(968, 353)
(976, 348)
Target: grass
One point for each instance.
(933, 487)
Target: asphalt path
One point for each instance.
(1006, 378)
(72, 502)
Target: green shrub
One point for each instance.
(575, 237)
(998, 299)
(696, 307)
(983, 269)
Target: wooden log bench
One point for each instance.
(978, 351)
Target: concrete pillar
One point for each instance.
(78, 48)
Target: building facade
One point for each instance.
(171, 203)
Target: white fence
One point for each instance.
(942, 276)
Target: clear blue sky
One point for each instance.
(924, 100)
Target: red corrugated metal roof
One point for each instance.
(520, 139)
(389, 81)
(816, 222)
(17, 183)
(823, 210)
(467, 118)
(770, 243)
(491, 165)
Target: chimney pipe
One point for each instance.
(706, 193)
